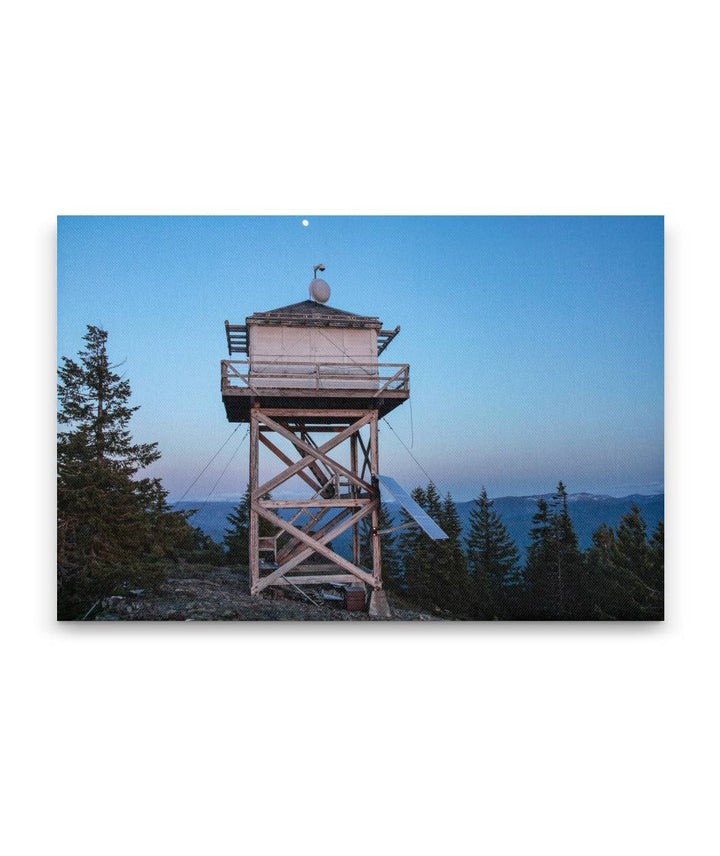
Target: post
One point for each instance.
(354, 493)
(254, 543)
(375, 470)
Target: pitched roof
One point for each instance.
(309, 313)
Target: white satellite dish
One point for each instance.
(319, 290)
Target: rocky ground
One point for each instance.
(222, 594)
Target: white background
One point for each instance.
(359, 739)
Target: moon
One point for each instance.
(305, 223)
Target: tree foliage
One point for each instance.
(454, 593)
(237, 534)
(540, 566)
(493, 560)
(436, 573)
(110, 521)
(625, 571)
(555, 567)
(414, 547)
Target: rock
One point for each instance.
(379, 606)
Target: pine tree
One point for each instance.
(541, 565)
(452, 563)
(237, 536)
(657, 558)
(606, 594)
(633, 551)
(108, 518)
(492, 557)
(414, 549)
(634, 558)
(166, 532)
(437, 573)
(571, 582)
(615, 591)
(99, 506)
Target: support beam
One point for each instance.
(375, 469)
(366, 456)
(317, 579)
(290, 550)
(316, 546)
(320, 451)
(314, 503)
(287, 461)
(354, 491)
(294, 547)
(311, 540)
(305, 414)
(314, 467)
(254, 530)
(312, 453)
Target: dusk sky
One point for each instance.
(535, 343)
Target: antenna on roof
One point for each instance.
(319, 289)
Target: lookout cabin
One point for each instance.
(309, 355)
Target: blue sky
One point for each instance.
(535, 343)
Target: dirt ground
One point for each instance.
(223, 594)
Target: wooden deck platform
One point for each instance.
(308, 386)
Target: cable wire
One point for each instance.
(227, 466)
(409, 452)
(207, 465)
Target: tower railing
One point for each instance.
(256, 375)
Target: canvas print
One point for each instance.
(320, 418)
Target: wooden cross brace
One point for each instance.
(311, 454)
(314, 546)
(363, 499)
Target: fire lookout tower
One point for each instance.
(312, 371)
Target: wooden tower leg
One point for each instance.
(254, 528)
(379, 606)
(345, 510)
(354, 493)
(375, 470)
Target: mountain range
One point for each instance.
(587, 511)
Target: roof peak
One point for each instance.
(310, 311)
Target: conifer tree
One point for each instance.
(657, 558)
(452, 565)
(437, 576)
(606, 594)
(615, 590)
(414, 549)
(633, 551)
(108, 517)
(99, 505)
(541, 567)
(105, 512)
(237, 536)
(168, 533)
(492, 557)
(571, 584)
(633, 557)
(435, 572)
(433, 502)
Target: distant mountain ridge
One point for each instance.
(587, 511)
